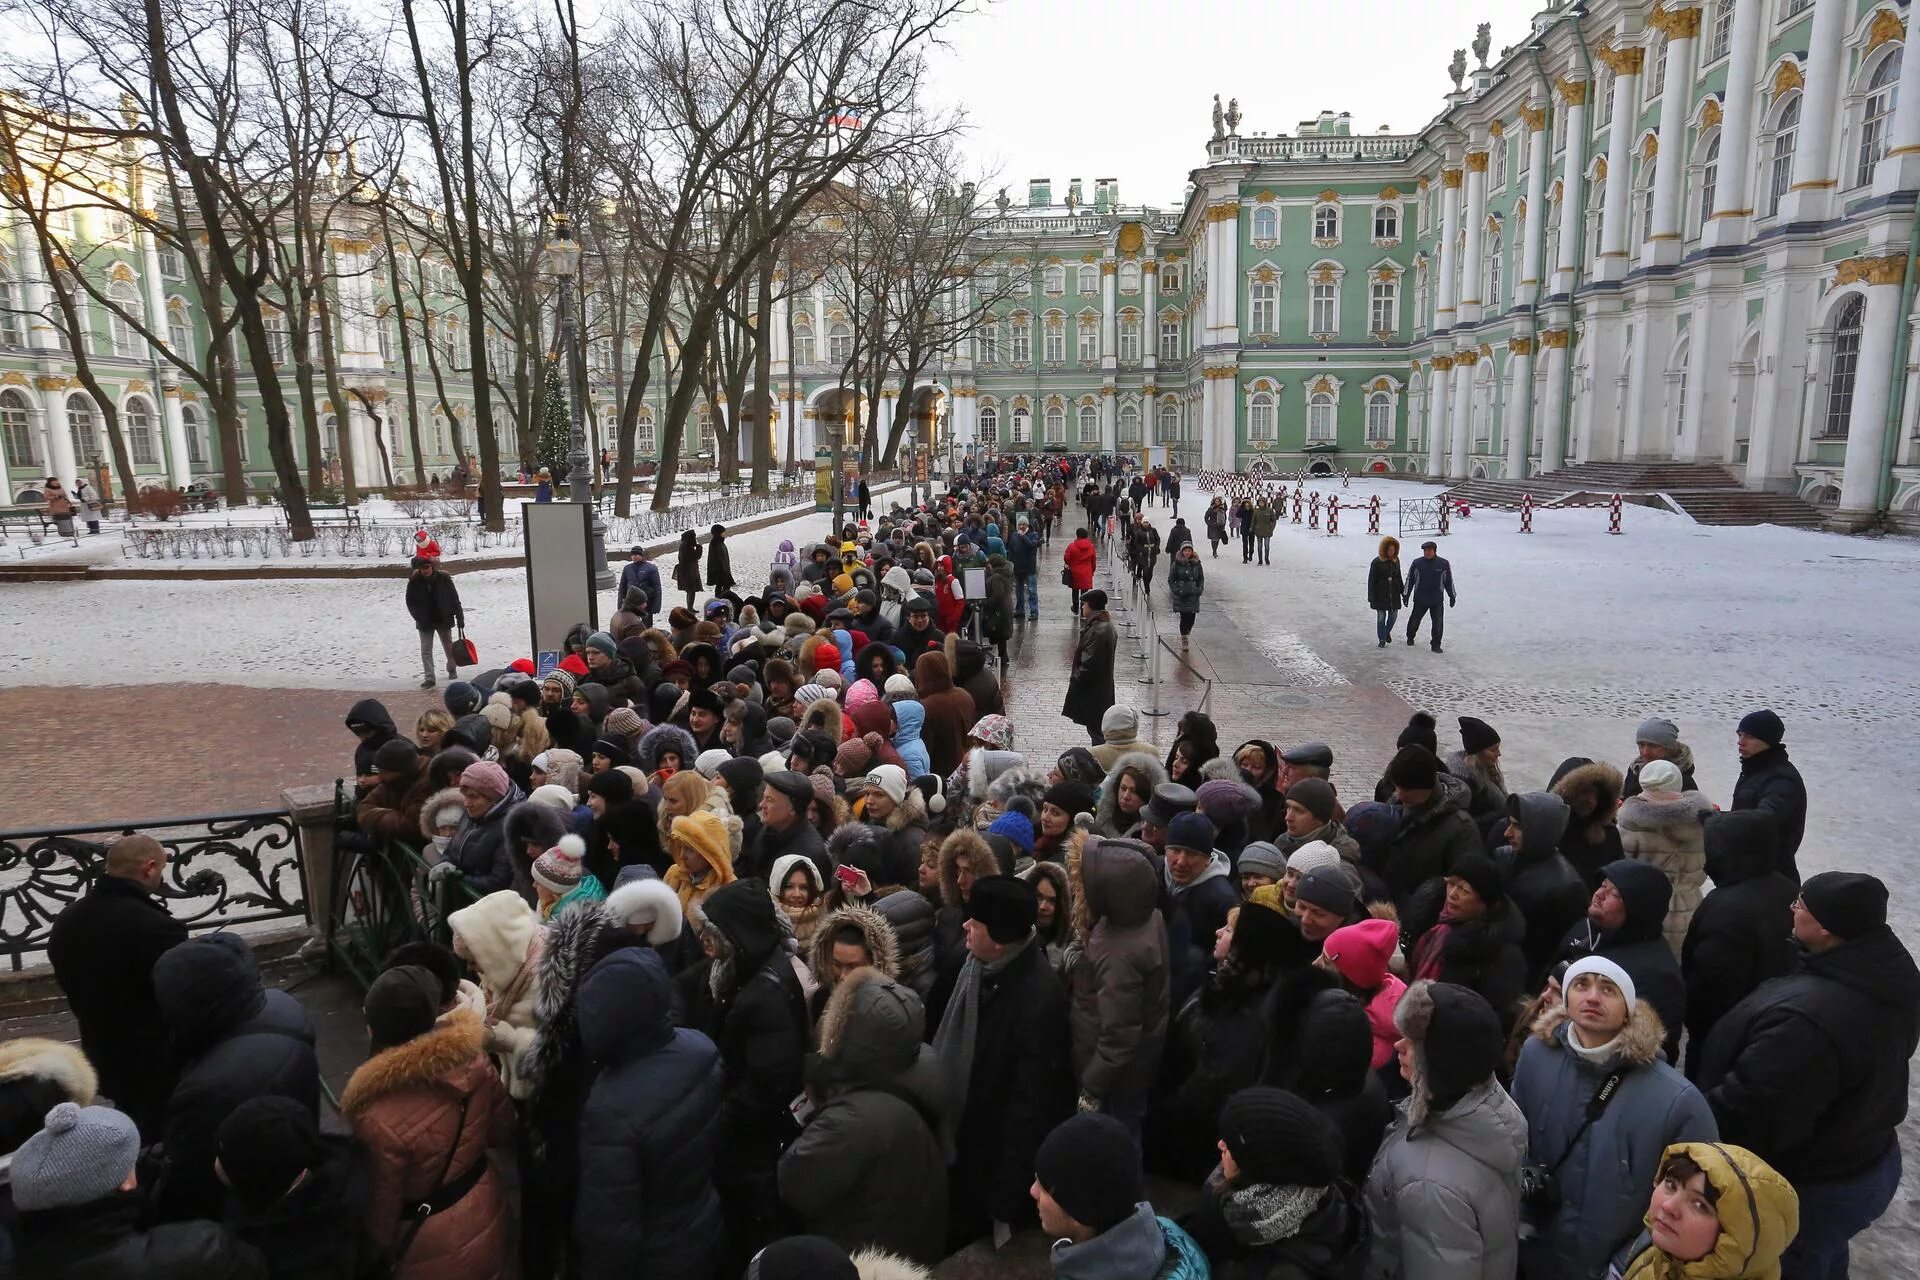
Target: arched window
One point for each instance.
(276, 326)
(1266, 223)
(16, 432)
(126, 302)
(1053, 280)
(13, 329)
(1087, 338)
(1786, 126)
(1677, 384)
(197, 444)
(1883, 92)
(138, 419)
(989, 422)
(180, 329)
(1846, 361)
(1169, 421)
(1709, 177)
(1263, 307)
(1054, 331)
(1129, 277)
(1379, 416)
(1022, 425)
(1597, 213)
(1129, 424)
(1089, 424)
(1262, 421)
(1326, 222)
(1320, 417)
(1129, 337)
(1056, 424)
(1386, 223)
(646, 441)
(1089, 282)
(1497, 165)
(82, 429)
(803, 339)
(1420, 298)
(1643, 196)
(839, 343)
(1720, 39)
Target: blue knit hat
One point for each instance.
(1017, 828)
(604, 643)
(82, 1155)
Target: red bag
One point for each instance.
(464, 654)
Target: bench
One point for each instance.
(332, 514)
(32, 521)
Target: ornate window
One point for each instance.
(1053, 280)
(13, 331)
(1053, 327)
(803, 339)
(1386, 223)
(1020, 280)
(180, 329)
(1643, 196)
(1089, 424)
(1129, 277)
(1597, 214)
(1129, 423)
(1876, 117)
(1490, 278)
(1022, 424)
(1169, 424)
(1169, 340)
(839, 344)
(1721, 37)
(1263, 308)
(171, 264)
(1324, 307)
(197, 445)
(986, 342)
(1846, 362)
(1677, 384)
(1169, 277)
(1088, 335)
(1022, 339)
(1709, 181)
(276, 326)
(1379, 416)
(1383, 307)
(706, 437)
(16, 431)
(1056, 423)
(126, 302)
(138, 416)
(1657, 78)
(1786, 127)
(1320, 417)
(989, 422)
(1788, 8)
(1326, 223)
(1088, 285)
(1497, 164)
(1262, 417)
(81, 428)
(1129, 337)
(1420, 297)
(646, 441)
(1266, 224)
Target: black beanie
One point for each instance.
(401, 1003)
(1280, 1139)
(264, 1144)
(1414, 769)
(1764, 725)
(1477, 735)
(397, 755)
(612, 786)
(1419, 733)
(1479, 871)
(1007, 905)
(1091, 1168)
(802, 1258)
(1264, 938)
(1071, 797)
(1847, 904)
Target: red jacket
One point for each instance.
(1079, 556)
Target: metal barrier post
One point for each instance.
(1613, 515)
(1373, 514)
(1526, 513)
(1333, 516)
(1313, 511)
(1296, 503)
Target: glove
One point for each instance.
(442, 872)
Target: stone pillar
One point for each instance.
(965, 428)
(1682, 28)
(1719, 317)
(1553, 400)
(1439, 398)
(1149, 321)
(1533, 234)
(1573, 175)
(311, 809)
(1872, 388)
(1732, 212)
(1476, 229)
(1520, 408)
(61, 461)
(1810, 198)
(1899, 169)
(1445, 314)
(1460, 427)
(1109, 421)
(1615, 212)
(1224, 285)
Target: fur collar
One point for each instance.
(1639, 1044)
(1642, 812)
(498, 931)
(911, 812)
(32, 1058)
(1107, 813)
(882, 944)
(1477, 773)
(648, 903)
(422, 1060)
(1600, 780)
(833, 1022)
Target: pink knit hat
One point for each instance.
(486, 778)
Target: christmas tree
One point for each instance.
(556, 426)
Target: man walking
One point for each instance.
(1090, 685)
(435, 607)
(1428, 580)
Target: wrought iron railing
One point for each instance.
(223, 870)
(384, 896)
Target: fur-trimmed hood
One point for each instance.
(666, 737)
(1639, 1042)
(872, 1033)
(450, 1049)
(878, 1264)
(1111, 878)
(984, 765)
(970, 845)
(1596, 779)
(1640, 812)
(434, 804)
(1106, 815)
(881, 942)
(1478, 773)
(60, 1064)
(824, 716)
(646, 906)
(1056, 874)
(497, 931)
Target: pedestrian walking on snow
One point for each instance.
(1186, 580)
(686, 573)
(1428, 580)
(1385, 590)
(435, 605)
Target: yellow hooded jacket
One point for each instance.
(1759, 1217)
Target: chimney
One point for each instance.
(1039, 192)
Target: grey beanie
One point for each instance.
(1120, 723)
(1658, 733)
(82, 1155)
(1263, 859)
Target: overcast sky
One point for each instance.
(1123, 89)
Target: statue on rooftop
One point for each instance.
(1219, 120)
(1233, 116)
(1458, 68)
(1482, 41)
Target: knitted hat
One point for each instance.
(1315, 795)
(1414, 769)
(82, 1155)
(1226, 800)
(562, 681)
(705, 834)
(1262, 858)
(1313, 854)
(1847, 904)
(1481, 875)
(623, 722)
(396, 756)
(1191, 831)
(808, 694)
(1071, 797)
(486, 778)
(1091, 1167)
(743, 777)
(1120, 722)
(1658, 733)
(553, 796)
(462, 699)
(1169, 799)
(1329, 889)
(708, 762)
(559, 869)
(900, 685)
(826, 657)
(604, 643)
(1280, 1139)
(1763, 725)
(264, 1144)
(1017, 828)
(1661, 775)
(1606, 969)
(1477, 735)
(1078, 765)
(1363, 951)
(1007, 905)
(401, 1003)
(796, 787)
(853, 757)
(892, 779)
(824, 789)
(992, 731)
(1419, 733)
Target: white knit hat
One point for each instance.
(1314, 853)
(708, 763)
(1661, 775)
(1605, 968)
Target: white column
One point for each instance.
(1811, 195)
(1534, 239)
(965, 421)
(1461, 424)
(1149, 322)
(1867, 424)
(1899, 169)
(1781, 386)
(1445, 316)
(36, 299)
(1553, 398)
(1615, 212)
(1109, 422)
(1109, 318)
(1439, 397)
(61, 461)
(1663, 246)
(1573, 176)
(1731, 208)
(1476, 218)
(166, 393)
(1223, 279)
(1519, 406)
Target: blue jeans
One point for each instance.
(1832, 1213)
(1026, 592)
(1383, 620)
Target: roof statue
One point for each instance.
(1219, 120)
(1482, 41)
(1458, 68)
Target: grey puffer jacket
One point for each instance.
(1604, 1175)
(1120, 979)
(1667, 833)
(1444, 1196)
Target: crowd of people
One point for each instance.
(776, 956)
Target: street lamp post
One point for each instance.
(563, 263)
(836, 433)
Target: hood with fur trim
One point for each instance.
(436, 803)
(1112, 878)
(51, 1062)
(1107, 815)
(1597, 781)
(824, 716)
(666, 737)
(645, 906)
(1639, 1042)
(1055, 873)
(881, 943)
(878, 1264)
(985, 764)
(871, 1033)
(974, 848)
(451, 1049)
(497, 931)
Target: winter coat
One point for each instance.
(370, 714)
(1759, 1215)
(1638, 945)
(1428, 578)
(912, 919)
(1107, 818)
(1385, 587)
(1330, 1244)
(434, 602)
(1810, 1071)
(997, 616)
(1186, 580)
(1482, 954)
(1023, 549)
(100, 1241)
(1194, 913)
(1606, 1173)
(1486, 787)
(1177, 537)
(1592, 842)
(1119, 982)
(950, 713)
(1428, 840)
(479, 849)
(1218, 1041)
(869, 1168)
(1090, 679)
(686, 570)
(648, 1131)
(506, 941)
(1770, 782)
(1444, 1196)
(1265, 517)
(769, 846)
(233, 1040)
(1682, 758)
(412, 1107)
(103, 949)
(316, 1230)
(1216, 519)
(969, 664)
(1742, 933)
(391, 811)
(1079, 558)
(719, 565)
(644, 577)
(1142, 1247)
(1550, 894)
(910, 718)
(1667, 834)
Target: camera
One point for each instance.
(1539, 1197)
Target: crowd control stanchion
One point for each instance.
(1333, 516)
(1296, 504)
(1613, 515)
(1313, 511)
(1142, 638)
(1526, 513)
(1373, 514)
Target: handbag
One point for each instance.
(1066, 576)
(464, 654)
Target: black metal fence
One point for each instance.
(384, 896)
(223, 870)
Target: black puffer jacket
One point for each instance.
(1428, 840)
(98, 1241)
(912, 918)
(233, 1040)
(1770, 782)
(1742, 932)
(1810, 1071)
(315, 1231)
(1639, 945)
(969, 663)
(1541, 882)
(1219, 1041)
(1482, 954)
(649, 1130)
(1335, 1073)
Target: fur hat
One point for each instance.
(1481, 875)
(1456, 1044)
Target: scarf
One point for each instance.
(1263, 1213)
(1429, 954)
(953, 1042)
(499, 1002)
(1603, 1056)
